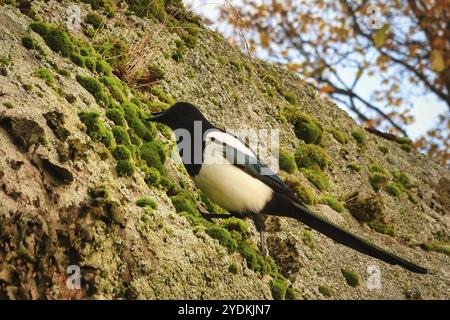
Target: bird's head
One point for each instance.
(179, 115)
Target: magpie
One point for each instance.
(231, 175)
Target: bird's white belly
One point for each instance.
(232, 189)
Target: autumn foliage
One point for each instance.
(373, 57)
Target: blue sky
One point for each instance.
(426, 108)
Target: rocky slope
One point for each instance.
(85, 181)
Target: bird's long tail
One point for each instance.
(349, 239)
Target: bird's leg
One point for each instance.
(261, 227)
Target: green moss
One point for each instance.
(318, 178)
(153, 153)
(78, 59)
(304, 194)
(95, 88)
(96, 128)
(46, 75)
(233, 268)
(90, 63)
(28, 42)
(403, 140)
(152, 176)
(382, 227)
(406, 147)
(234, 223)
(437, 246)
(366, 209)
(402, 180)
(354, 166)
(378, 180)
(383, 149)
(148, 8)
(375, 167)
(211, 206)
(133, 117)
(178, 54)
(8, 104)
(121, 152)
(308, 238)
(107, 6)
(116, 115)
(121, 135)
(287, 162)
(125, 168)
(333, 203)
(147, 202)
(224, 237)
(103, 67)
(359, 136)
(340, 136)
(162, 95)
(184, 203)
(326, 290)
(393, 189)
(311, 156)
(103, 154)
(351, 277)
(94, 19)
(278, 286)
(305, 127)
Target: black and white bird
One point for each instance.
(214, 160)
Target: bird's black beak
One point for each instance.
(157, 116)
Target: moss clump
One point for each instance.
(318, 178)
(279, 287)
(224, 237)
(340, 136)
(46, 75)
(162, 95)
(308, 238)
(393, 189)
(148, 8)
(383, 149)
(375, 167)
(287, 162)
(95, 88)
(351, 277)
(153, 153)
(152, 176)
(304, 194)
(78, 59)
(90, 63)
(354, 166)
(125, 168)
(359, 136)
(402, 180)
(325, 290)
(437, 246)
(107, 6)
(378, 180)
(133, 117)
(311, 156)
(103, 67)
(116, 115)
(94, 19)
(8, 105)
(95, 128)
(177, 55)
(41, 28)
(211, 206)
(121, 152)
(184, 203)
(147, 202)
(333, 203)
(306, 128)
(366, 209)
(233, 268)
(56, 38)
(121, 135)
(28, 42)
(236, 224)
(382, 227)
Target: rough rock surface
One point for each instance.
(49, 220)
